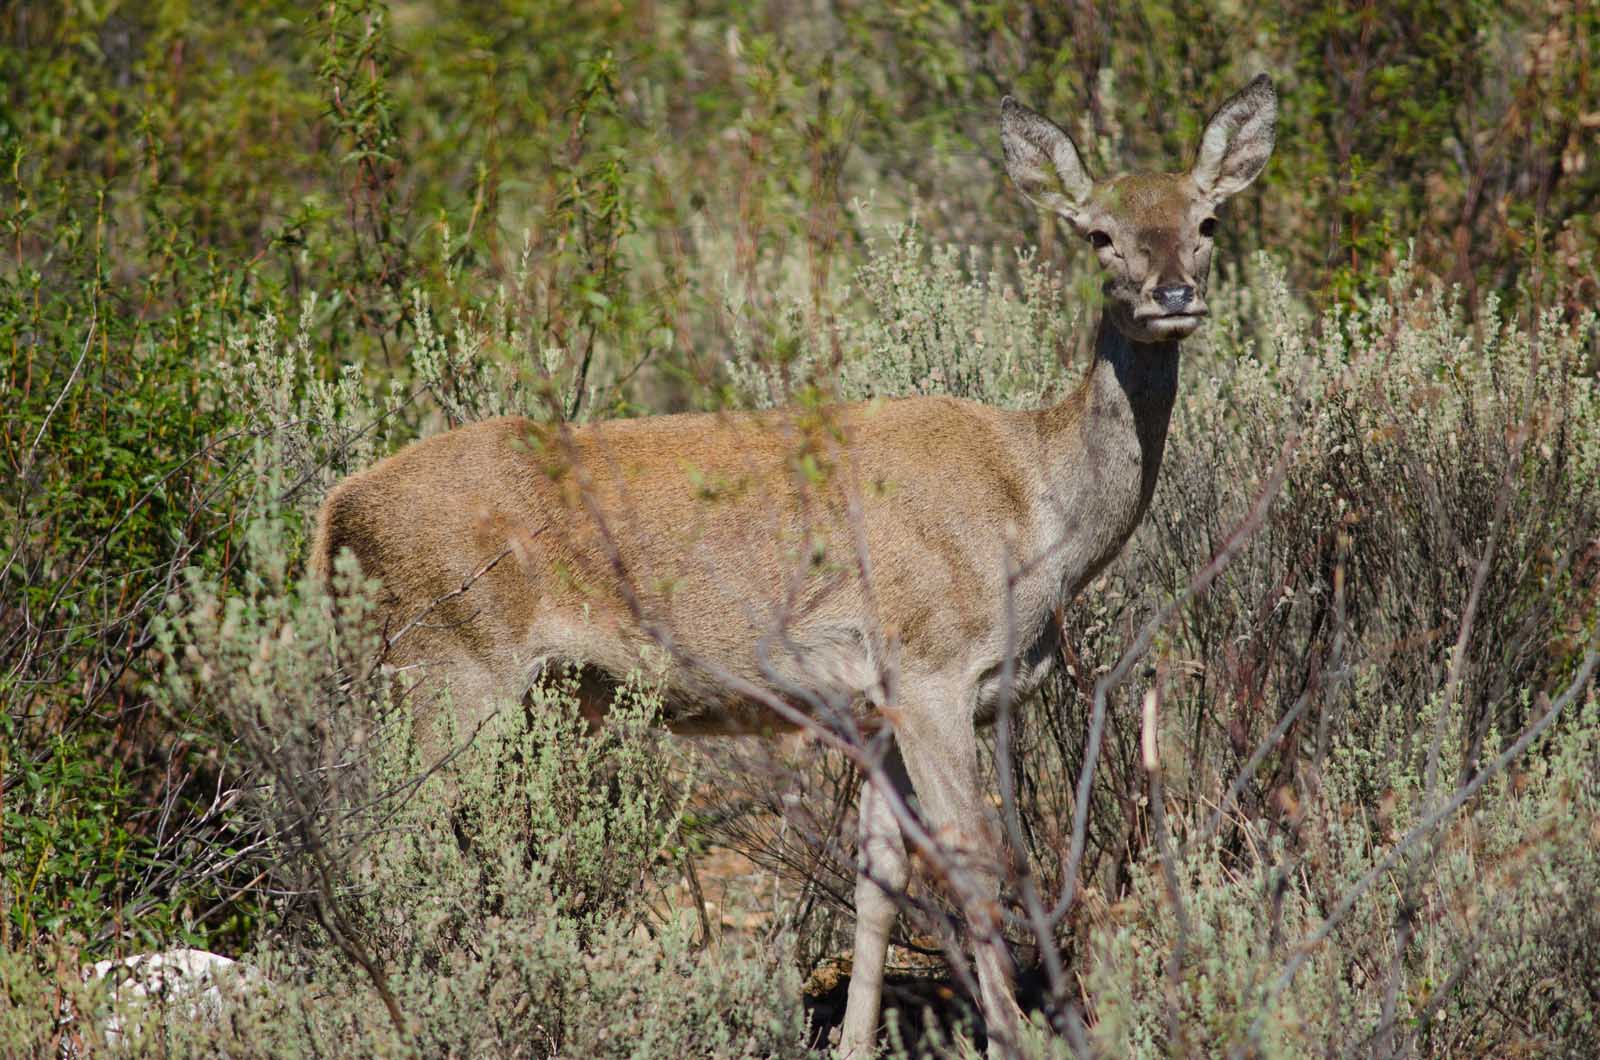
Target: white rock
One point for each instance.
(188, 984)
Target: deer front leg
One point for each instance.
(941, 756)
(883, 869)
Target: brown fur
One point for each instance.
(703, 525)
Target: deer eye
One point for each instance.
(1208, 227)
(1099, 240)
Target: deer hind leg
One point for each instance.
(941, 756)
(882, 874)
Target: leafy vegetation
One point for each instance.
(249, 248)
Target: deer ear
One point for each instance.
(1042, 160)
(1238, 140)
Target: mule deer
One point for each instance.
(898, 561)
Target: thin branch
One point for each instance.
(466, 583)
(44, 425)
(1169, 869)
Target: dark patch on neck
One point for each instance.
(1146, 371)
(1137, 379)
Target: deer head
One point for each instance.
(1151, 231)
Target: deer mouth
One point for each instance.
(1195, 310)
(1173, 323)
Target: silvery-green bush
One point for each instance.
(1426, 456)
(493, 892)
(928, 319)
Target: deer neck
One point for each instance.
(1103, 447)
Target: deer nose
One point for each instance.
(1174, 297)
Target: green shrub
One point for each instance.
(591, 210)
